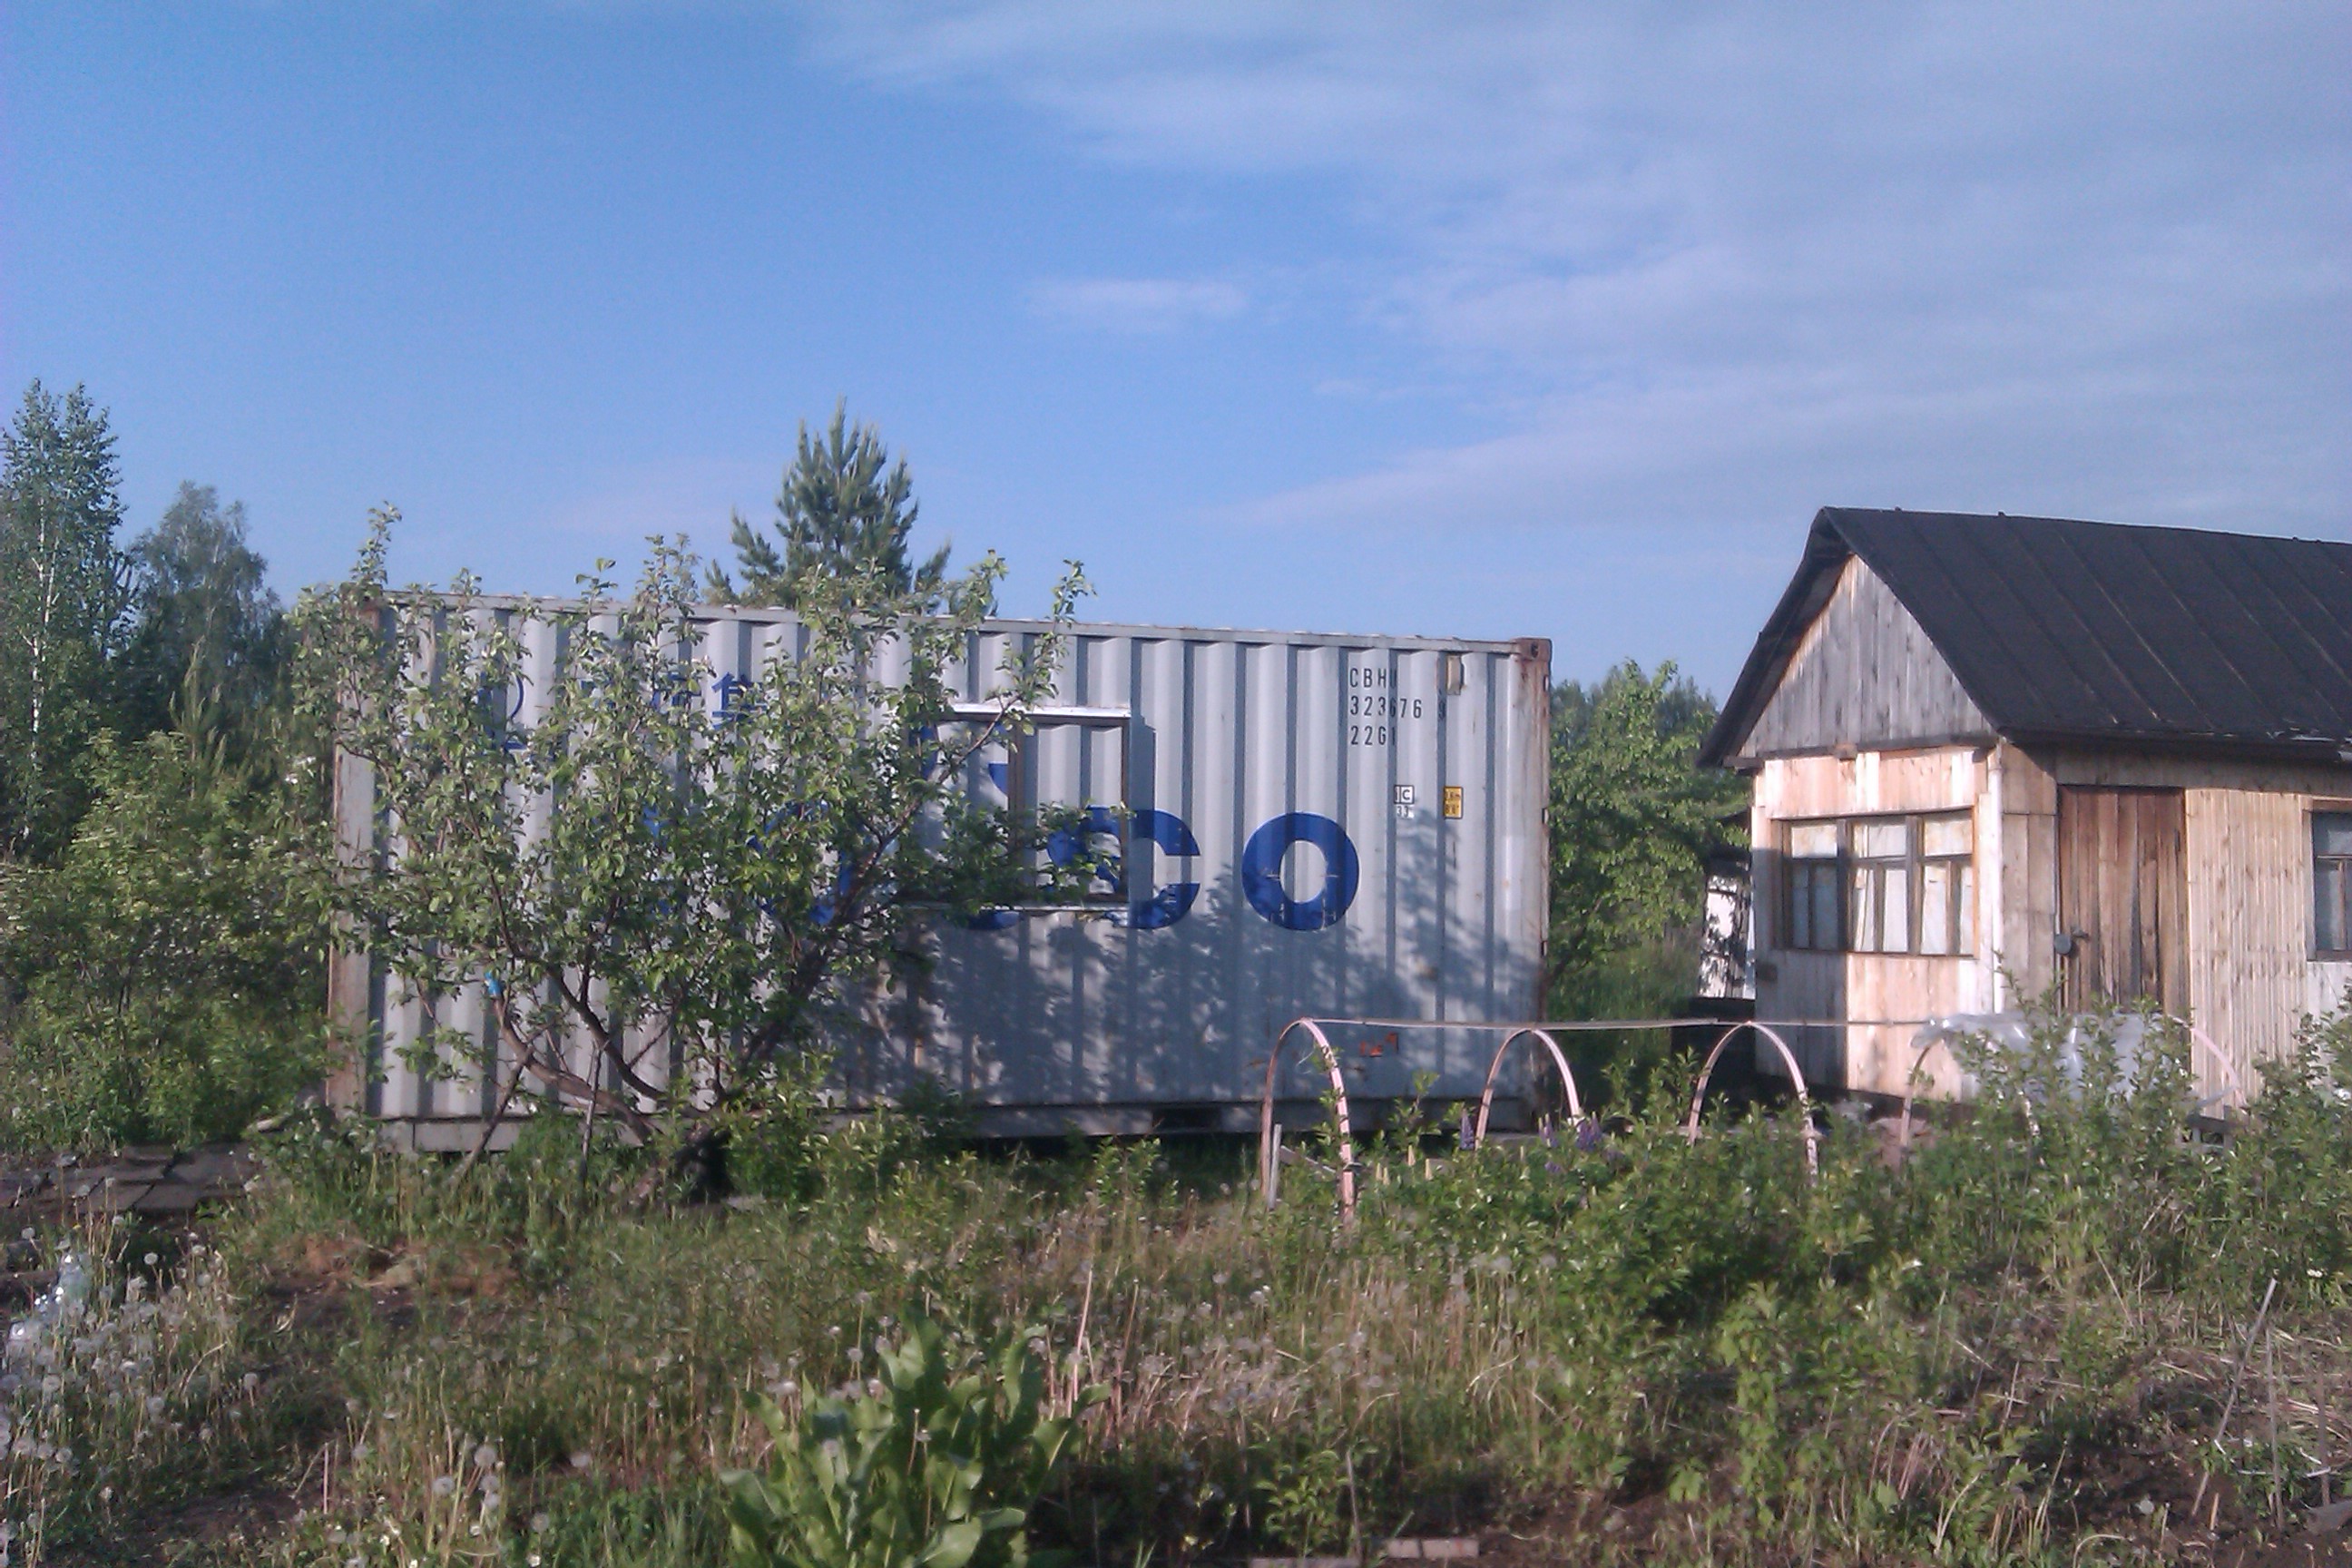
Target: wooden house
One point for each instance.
(1992, 756)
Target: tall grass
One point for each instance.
(1648, 1348)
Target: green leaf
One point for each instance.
(953, 1546)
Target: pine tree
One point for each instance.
(64, 598)
(844, 510)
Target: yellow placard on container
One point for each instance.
(1453, 800)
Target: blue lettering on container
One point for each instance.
(1261, 869)
(1065, 846)
(1261, 859)
(1166, 831)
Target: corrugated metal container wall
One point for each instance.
(1317, 825)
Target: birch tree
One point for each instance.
(64, 602)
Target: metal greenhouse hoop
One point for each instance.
(1545, 1031)
(1268, 1151)
(1796, 1078)
(1494, 1068)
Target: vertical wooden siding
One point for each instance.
(2029, 876)
(1863, 675)
(2250, 920)
(2326, 986)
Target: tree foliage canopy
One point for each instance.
(167, 970)
(1633, 817)
(160, 943)
(685, 874)
(844, 515)
(208, 640)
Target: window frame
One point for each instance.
(2320, 952)
(1960, 915)
(1867, 878)
(1021, 790)
(1851, 872)
(1834, 864)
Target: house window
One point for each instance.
(2331, 880)
(1812, 872)
(1948, 888)
(1881, 884)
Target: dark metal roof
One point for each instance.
(2096, 632)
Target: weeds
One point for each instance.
(2014, 1347)
(120, 1392)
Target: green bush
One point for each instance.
(165, 980)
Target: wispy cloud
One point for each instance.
(1725, 263)
(1136, 304)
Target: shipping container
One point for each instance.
(1314, 824)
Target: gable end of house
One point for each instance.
(1864, 673)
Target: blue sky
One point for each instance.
(1471, 319)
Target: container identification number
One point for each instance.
(1369, 698)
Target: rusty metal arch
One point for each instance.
(1495, 1068)
(1796, 1076)
(1347, 1143)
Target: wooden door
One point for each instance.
(2123, 894)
